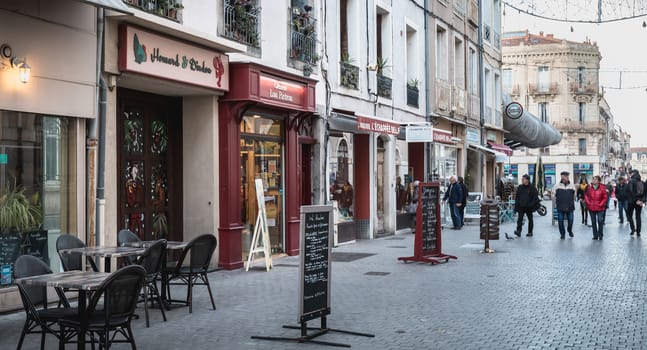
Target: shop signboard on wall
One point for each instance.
(4, 158)
(282, 91)
(443, 136)
(419, 134)
(377, 125)
(163, 57)
(473, 136)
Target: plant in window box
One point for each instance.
(244, 26)
(412, 92)
(173, 10)
(383, 82)
(349, 72)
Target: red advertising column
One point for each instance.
(361, 145)
(230, 230)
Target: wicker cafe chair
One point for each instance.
(119, 293)
(200, 251)
(43, 318)
(123, 238)
(72, 262)
(151, 260)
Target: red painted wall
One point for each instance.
(417, 160)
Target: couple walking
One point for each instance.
(595, 200)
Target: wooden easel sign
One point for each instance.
(260, 231)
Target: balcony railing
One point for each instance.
(412, 96)
(497, 39)
(459, 101)
(242, 22)
(574, 126)
(487, 115)
(303, 37)
(543, 89)
(163, 8)
(474, 110)
(384, 85)
(584, 89)
(349, 76)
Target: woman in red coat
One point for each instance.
(596, 197)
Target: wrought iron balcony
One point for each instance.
(242, 21)
(163, 8)
(543, 89)
(584, 88)
(303, 36)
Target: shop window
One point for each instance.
(37, 175)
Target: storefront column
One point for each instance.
(389, 186)
(292, 192)
(230, 229)
(363, 174)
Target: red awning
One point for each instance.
(500, 148)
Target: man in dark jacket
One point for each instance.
(622, 196)
(454, 196)
(526, 201)
(564, 193)
(461, 182)
(636, 199)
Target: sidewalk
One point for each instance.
(533, 293)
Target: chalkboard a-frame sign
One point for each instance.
(314, 278)
(428, 239)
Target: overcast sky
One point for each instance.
(623, 46)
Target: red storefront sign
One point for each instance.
(442, 136)
(379, 126)
(281, 91)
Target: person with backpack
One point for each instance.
(564, 193)
(596, 198)
(622, 196)
(636, 201)
(526, 202)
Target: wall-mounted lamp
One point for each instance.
(9, 61)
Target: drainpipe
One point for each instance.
(481, 94)
(100, 211)
(428, 150)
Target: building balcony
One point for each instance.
(349, 76)
(474, 109)
(164, 8)
(583, 89)
(303, 37)
(577, 126)
(384, 86)
(543, 89)
(459, 101)
(241, 22)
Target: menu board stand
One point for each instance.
(260, 229)
(314, 278)
(428, 239)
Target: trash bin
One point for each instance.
(489, 219)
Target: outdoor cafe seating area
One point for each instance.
(107, 301)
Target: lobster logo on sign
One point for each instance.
(219, 68)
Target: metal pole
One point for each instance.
(481, 93)
(428, 150)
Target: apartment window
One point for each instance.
(303, 35)
(241, 22)
(497, 91)
(474, 71)
(459, 63)
(542, 79)
(543, 111)
(581, 114)
(441, 53)
(343, 29)
(412, 55)
(487, 21)
(383, 36)
(487, 85)
(507, 80)
(580, 77)
(582, 146)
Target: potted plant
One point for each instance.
(173, 10)
(382, 64)
(21, 221)
(412, 92)
(349, 72)
(384, 83)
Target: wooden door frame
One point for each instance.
(172, 107)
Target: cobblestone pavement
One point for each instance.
(533, 293)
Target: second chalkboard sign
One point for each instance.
(314, 282)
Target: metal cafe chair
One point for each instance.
(200, 251)
(72, 262)
(39, 320)
(124, 237)
(119, 293)
(151, 260)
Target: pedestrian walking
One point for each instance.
(596, 198)
(636, 199)
(526, 202)
(564, 194)
(465, 192)
(581, 190)
(412, 201)
(454, 196)
(622, 196)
